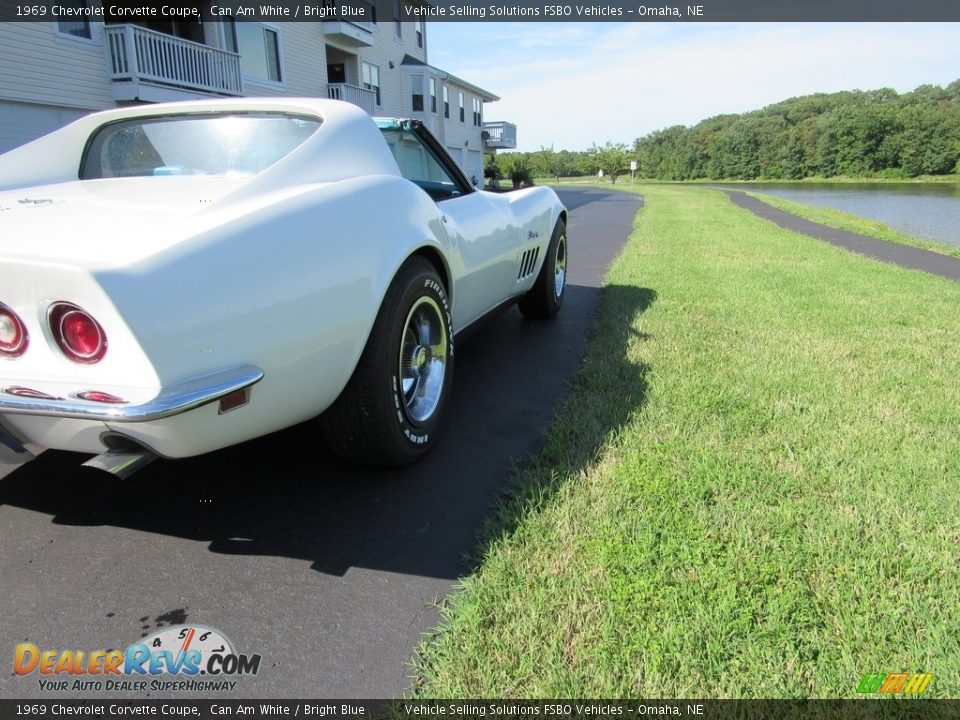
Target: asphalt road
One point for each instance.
(330, 572)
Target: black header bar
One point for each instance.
(364, 11)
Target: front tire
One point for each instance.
(545, 298)
(392, 408)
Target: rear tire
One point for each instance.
(391, 410)
(545, 298)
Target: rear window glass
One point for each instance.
(226, 144)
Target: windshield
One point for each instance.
(226, 144)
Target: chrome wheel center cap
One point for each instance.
(420, 359)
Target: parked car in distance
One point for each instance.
(178, 278)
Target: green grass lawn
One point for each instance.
(855, 223)
(753, 489)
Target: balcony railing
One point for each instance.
(500, 135)
(140, 55)
(361, 97)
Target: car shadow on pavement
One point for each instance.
(286, 495)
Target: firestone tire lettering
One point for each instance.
(378, 419)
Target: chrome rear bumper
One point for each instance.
(174, 400)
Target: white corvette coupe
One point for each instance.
(178, 278)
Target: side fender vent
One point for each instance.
(528, 261)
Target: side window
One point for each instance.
(76, 28)
(370, 76)
(259, 48)
(416, 93)
(419, 165)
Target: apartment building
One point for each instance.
(54, 72)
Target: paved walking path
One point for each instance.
(903, 255)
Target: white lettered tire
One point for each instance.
(545, 298)
(393, 406)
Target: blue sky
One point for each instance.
(569, 84)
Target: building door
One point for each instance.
(336, 73)
(475, 167)
(457, 154)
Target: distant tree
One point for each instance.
(517, 167)
(587, 163)
(612, 158)
(547, 162)
(930, 140)
(857, 133)
(953, 91)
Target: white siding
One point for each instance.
(304, 63)
(40, 66)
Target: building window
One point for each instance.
(446, 102)
(230, 35)
(75, 28)
(477, 112)
(259, 48)
(398, 26)
(433, 95)
(416, 94)
(462, 113)
(420, 32)
(371, 78)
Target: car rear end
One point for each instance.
(73, 375)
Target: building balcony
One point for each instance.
(354, 34)
(361, 97)
(153, 67)
(499, 135)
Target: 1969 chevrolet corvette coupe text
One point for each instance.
(178, 278)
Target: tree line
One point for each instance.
(876, 133)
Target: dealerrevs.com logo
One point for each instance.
(190, 658)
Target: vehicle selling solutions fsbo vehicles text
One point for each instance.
(549, 11)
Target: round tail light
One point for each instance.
(26, 392)
(101, 397)
(77, 334)
(13, 334)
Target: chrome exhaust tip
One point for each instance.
(121, 464)
(123, 458)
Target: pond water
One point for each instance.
(924, 210)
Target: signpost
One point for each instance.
(633, 171)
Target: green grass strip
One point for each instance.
(753, 489)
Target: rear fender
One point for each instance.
(292, 288)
